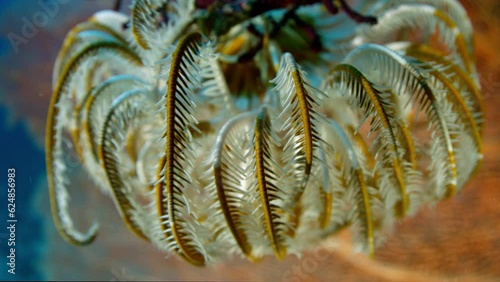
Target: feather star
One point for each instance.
(264, 132)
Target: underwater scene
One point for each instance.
(164, 140)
